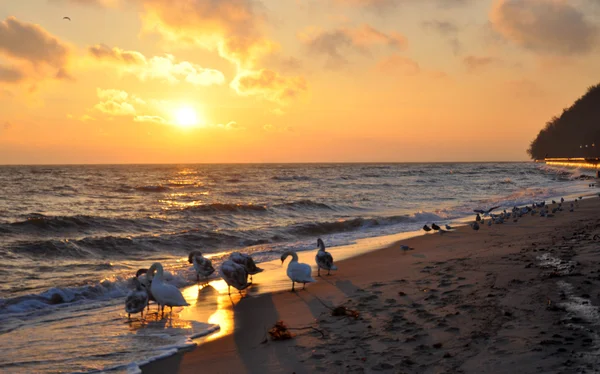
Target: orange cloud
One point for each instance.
(36, 53)
(397, 63)
(475, 63)
(10, 74)
(383, 5)
(149, 119)
(233, 27)
(116, 102)
(103, 3)
(269, 84)
(545, 26)
(337, 42)
(231, 126)
(31, 43)
(104, 52)
(166, 69)
(163, 68)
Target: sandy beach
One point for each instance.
(517, 296)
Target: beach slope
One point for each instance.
(513, 297)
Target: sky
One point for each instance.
(228, 81)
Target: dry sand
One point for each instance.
(513, 298)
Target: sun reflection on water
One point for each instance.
(222, 317)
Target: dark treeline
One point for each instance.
(568, 135)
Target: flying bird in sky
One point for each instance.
(67, 18)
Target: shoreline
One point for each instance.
(237, 346)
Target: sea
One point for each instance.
(71, 237)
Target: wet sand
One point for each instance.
(517, 297)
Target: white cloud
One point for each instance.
(152, 119)
(166, 69)
(117, 102)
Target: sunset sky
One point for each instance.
(178, 81)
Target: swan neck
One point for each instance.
(289, 253)
(158, 269)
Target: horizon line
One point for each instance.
(272, 163)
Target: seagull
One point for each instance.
(426, 228)
(324, 259)
(486, 212)
(437, 228)
(67, 18)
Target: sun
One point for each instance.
(186, 117)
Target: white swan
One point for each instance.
(136, 300)
(165, 294)
(324, 259)
(202, 265)
(234, 275)
(297, 271)
(247, 262)
(142, 277)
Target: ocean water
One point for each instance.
(72, 236)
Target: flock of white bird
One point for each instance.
(150, 284)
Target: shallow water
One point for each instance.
(70, 236)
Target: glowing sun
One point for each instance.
(186, 117)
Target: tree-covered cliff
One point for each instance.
(568, 135)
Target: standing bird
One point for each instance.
(406, 248)
(247, 262)
(234, 275)
(164, 293)
(142, 276)
(67, 18)
(426, 228)
(137, 299)
(297, 271)
(437, 228)
(324, 259)
(202, 265)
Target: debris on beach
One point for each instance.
(343, 311)
(280, 331)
